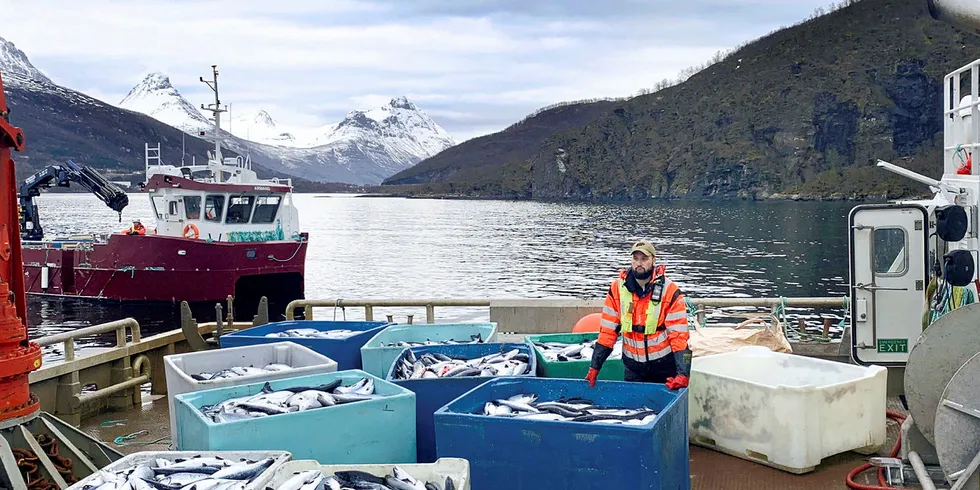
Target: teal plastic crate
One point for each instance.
(377, 359)
(366, 432)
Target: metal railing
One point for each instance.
(68, 338)
(430, 304)
(370, 304)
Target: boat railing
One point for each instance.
(697, 307)
(68, 338)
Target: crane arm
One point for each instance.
(63, 176)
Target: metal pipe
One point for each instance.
(921, 472)
(111, 390)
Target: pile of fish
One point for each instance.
(271, 402)
(474, 339)
(197, 473)
(527, 406)
(312, 333)
(559, 351)
(398, 479)
(234, 372)
(430, 365)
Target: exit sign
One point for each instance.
(893, 346)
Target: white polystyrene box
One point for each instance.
(785, 410)
(179, 367)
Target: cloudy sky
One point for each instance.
(475, 66)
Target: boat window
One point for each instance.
(158, 205)
(213, 205)
(173, 208)
(192, 207)
(889, 252)
(239, 209)
(265, 209)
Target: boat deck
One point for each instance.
(710, 470)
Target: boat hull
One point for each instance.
(161, 268)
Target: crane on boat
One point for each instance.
(63, 176)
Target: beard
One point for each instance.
(642, 275)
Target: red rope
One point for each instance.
(882, 484)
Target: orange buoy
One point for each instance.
(588, 323)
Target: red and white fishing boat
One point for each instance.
(220, 231)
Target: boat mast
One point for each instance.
(217, 110)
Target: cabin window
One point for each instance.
(192, 207)
(239, 209)
(158, 204)
(173, 208)
(889, 252)
(213, 205)
(265, 209)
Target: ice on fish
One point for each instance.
(269, 402)
(527, 406)
(396, 479)
(238, 371)
(561, 352)
(198, 472)
(312, 333)
(474, 339)
(510, 363)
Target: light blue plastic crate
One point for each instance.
(366, 432)
(530, 454)
(347, 352)
(377, 359)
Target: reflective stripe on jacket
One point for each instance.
(646, 337)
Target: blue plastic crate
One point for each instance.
(433, 393)
(366, 432)
(347, 352)
(535, 454)
(377, 359)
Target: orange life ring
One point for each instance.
(191, 227)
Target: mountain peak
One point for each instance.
(155, 96)
(152, 82)
(15, 67)
(263, 117)
(402, 102)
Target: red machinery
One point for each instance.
(37, 450)
(18, 357)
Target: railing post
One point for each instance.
(410, 319)
(702, 315)
(66, 404)
(368, 313)
(430, 313)
(308, 312)
(121, 371)
(391, 318)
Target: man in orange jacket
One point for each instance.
(650, 312)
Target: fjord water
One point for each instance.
(373, 247)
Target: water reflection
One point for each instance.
(413, 248)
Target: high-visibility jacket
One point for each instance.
(653, 326)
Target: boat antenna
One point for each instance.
(183, 149)
(217, 110)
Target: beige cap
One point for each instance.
(645, 247)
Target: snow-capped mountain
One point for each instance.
(60, 123)
(17, 70)
(364, 148)
(155, 96)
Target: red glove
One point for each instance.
(677, 382)
(593, 372)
